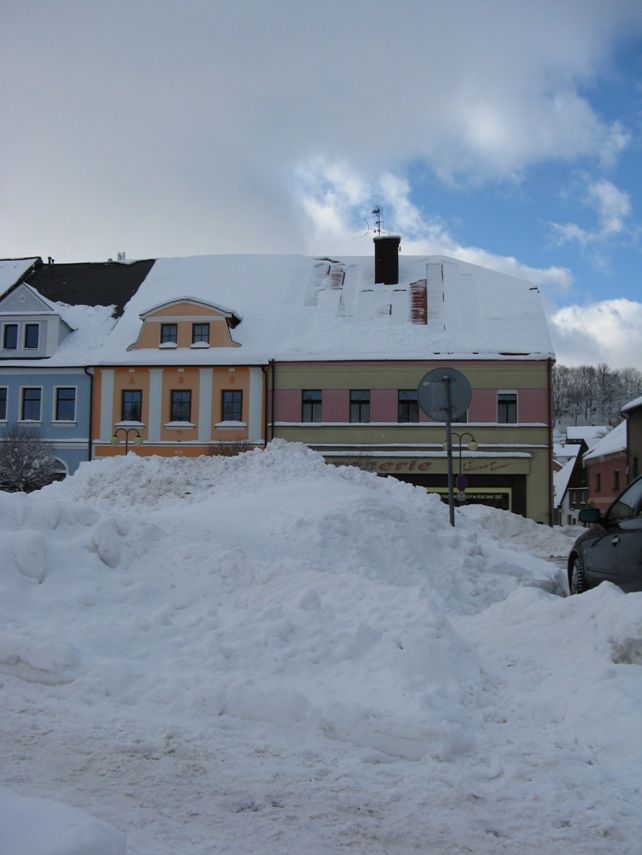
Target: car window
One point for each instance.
(628, 504)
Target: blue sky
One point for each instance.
(502, 132)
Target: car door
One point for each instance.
(623, 534)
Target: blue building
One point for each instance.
(52, 318)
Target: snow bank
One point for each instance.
(268, 587)
(268, 654)
(30, 826)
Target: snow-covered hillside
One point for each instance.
(268, 654)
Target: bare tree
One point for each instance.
(26, 464)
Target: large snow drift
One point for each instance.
(272, 591)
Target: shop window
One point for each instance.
(65, 404)
(31, 404)
(169, 333)
(360, 405)
(180, 405)
(10, 336)
(232, 405)
(311, 405)
(131, 405)
(507, 407)
(407, 406)
(32, 335)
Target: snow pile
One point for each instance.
(273, 586)
(31, 826)
(162, 603)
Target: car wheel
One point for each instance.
(577, 582)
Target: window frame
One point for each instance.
(312, 408)
(206, 339)
(24, 389)
(164, 329)
(238, 392)
(138, 392)
(5, 329)
(360, 406)
(173, 404)
(5, 389)
(515, 402)
(25, 333)
(54, 416)
(407, 403)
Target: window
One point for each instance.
(598, 482)
(200, 333)
(10, 337)
(407, 407)
(629, 504)
(232, 406)
(359, 405)
(3, 403)
(507, 407)
(131, 405)
(616, 479)
(31, 399)
(65, 404)
(32, 334)
(180, 405)
(311, 405)
(169, 333)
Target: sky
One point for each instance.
(501, 132)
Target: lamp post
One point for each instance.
(126, 432)
(472, 445)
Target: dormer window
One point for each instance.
(200, 333)
(32, 334)
(169, 334)
(10, 337)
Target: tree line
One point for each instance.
(590, 395)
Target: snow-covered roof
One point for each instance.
(632, 405)
(566, 451)
(612, 443)
(302, 308)
(561, 479)
(589, 433)
(11, 269)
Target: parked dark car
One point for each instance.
(611, 550)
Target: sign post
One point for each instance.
(444, 394)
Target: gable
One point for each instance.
(24, 300)
(185, 322)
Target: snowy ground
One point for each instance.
(264, 654)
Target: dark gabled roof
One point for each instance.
(92, 283)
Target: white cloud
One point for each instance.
(612, 206)
(173, 128)
(609, 331)
(334, 199)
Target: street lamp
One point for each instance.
(127, 431)
(472, 446)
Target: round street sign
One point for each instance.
(439, 386)
(461, 482)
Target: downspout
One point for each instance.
(264, 369)
(272, 395)
(90, 373)
(550, 442)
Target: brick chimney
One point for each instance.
(387, 259)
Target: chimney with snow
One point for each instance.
(387, 259)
